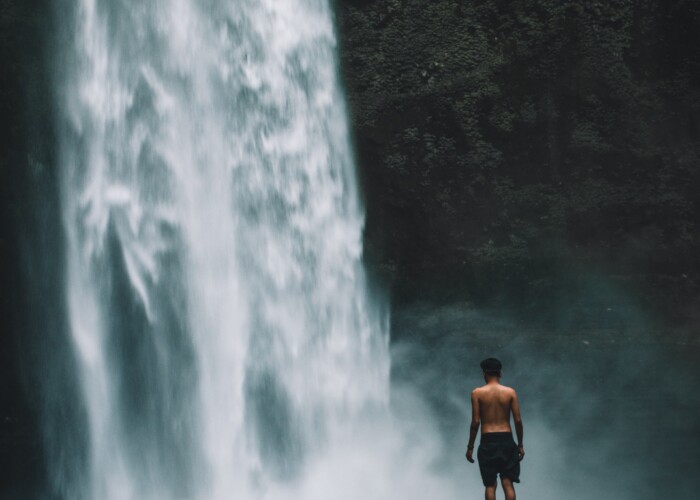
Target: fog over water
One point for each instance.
(604, 394)
(223, 338)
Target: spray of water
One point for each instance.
(225, 342)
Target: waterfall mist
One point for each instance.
(224, 342)
(603, 391)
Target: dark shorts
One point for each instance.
(498, 454)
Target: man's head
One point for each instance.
(491, 367)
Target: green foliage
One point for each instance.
(509, 142)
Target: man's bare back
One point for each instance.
(492, 406)
(493, 403)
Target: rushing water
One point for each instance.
(225, 341)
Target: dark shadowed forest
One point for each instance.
(510, 149)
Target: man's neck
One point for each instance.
(493, 381)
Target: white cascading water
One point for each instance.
(225, 341)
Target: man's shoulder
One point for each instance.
(507, 389)
(477, 390)
(487, 389)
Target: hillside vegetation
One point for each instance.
(509, 149)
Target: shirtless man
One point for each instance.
(492, 405)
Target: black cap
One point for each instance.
(491, 365)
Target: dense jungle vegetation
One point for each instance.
(511, 149)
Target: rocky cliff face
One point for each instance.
(29, 220)
(508, 149)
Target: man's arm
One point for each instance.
(515, 408)
(474, 427)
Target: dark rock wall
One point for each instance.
(510, 148)
(30, 243)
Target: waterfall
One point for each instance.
(225, 341)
